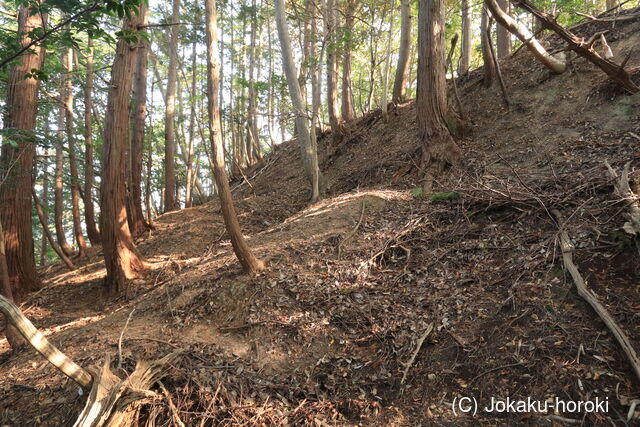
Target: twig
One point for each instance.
(590, 297)
(415, 352)
(511, 365)
(353, 232)
(172, 406)
(121, 336)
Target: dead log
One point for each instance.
(581, 47)
(42, 344)
(556, 65)
(115, 402)
(590, 297)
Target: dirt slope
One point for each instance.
(322, 338)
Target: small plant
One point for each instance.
(417, 192)
(442, 197)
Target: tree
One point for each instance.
(89, 212)
(438, 147)
(121, 257)
(13, 337)
(58, 203)
(402, 70)
(347, 95)
(332, 68)
(16, 159)
(503, 36)
(170, 202)
(489, 66)
(67, 104)
(135, 215)
(249, 262)
(467, 38)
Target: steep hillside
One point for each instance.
(328, 334)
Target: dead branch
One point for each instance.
(456, 95)
(353, 232)
(494, 57)
(577, 44)
(42, 345)
(419, 343)
(623, 189)
(590, 297)
(113, 401)
(47, 233)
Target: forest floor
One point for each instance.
(354, 281)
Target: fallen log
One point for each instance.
(42, 344)
(582, 47)
(590, 297)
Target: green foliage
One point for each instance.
(443, 197)
(417, 192)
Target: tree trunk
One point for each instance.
(402, 71)
(67, 100)
(332, 68)
(503, 36)
(489, 67)
(467, 37)
(316, 75)
(16, 161)
(47, 234)
(188, 197)
(45, 200)
(89, 211)
(136, 219)
(253, 138)
(122, 260)
(347, 95)
(438, 147)
(169, 124)
(526, 37)
(387, 69)
(59, 189)
(249, 262)
(308, 147)
(12, 334)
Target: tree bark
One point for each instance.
(332, 68)
(489, 67)
(438, 147)
(45, 200)
(137, 223)
(122, 260)
(16, 160)
(67, 102)
(347, 95)
(387, 69)
(46, 233)
(467, 37)
(89, 211)
(12, 334)
(316, 75)
(188, 197)
(503, 36)
(170, 203)
(59, 189)
(249, 262)
(402, 70)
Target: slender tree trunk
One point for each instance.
(59, 181)
(308, 147)
(89, 211)
(332, 68)
(46, 233)
(169, 125)
(467, 37)
(137, 223)
(503, 36)
(122, 260)
(67, 99)
(45, 200)
(253, 138)
(249, 262)
(347, 95)
(402, 71)
(487, 60)
(438, 147)
(316, 75)
(387, 69)
(16, 161)
(188, 202)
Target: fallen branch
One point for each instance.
(494, 57)
(577, 44)
(419, 343)
(42, 344)
(590, 297)
(47, 233)
(623, 189)
(353, 232)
